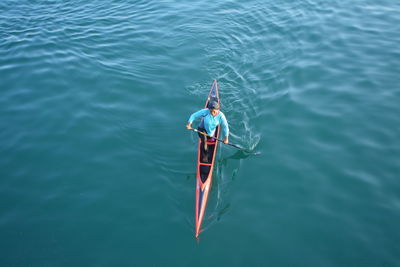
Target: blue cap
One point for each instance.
(213, 105)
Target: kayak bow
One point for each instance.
(205, 168)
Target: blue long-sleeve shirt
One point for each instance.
(211, 122)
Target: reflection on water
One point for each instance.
(226, 171)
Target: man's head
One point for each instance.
(213, 106)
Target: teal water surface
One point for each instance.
(97, 168)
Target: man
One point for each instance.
(211, 118)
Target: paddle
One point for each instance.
(236, 146)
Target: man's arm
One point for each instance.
(225, 128)
(194, 116)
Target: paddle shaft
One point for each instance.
(236, 146)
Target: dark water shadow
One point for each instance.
(221, 185)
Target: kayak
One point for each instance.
(205, 168)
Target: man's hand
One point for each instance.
(189, 126)
(226, 140)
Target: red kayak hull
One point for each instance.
(205, 169)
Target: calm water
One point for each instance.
(97, 168)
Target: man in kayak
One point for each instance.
(211, 118)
